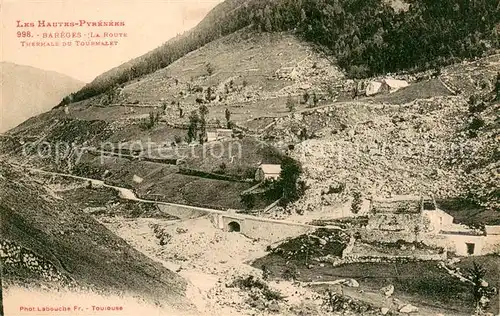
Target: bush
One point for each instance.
(475, 124)
(210, 68)
(248, 200)
(251, 283)
(290, 273)
(356, 202)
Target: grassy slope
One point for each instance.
(78, 245)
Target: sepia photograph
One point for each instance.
(250, 157)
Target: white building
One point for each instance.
(267, 172)
(219, 134)
(401, 213)
(386, 85)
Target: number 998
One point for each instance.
(24, 34)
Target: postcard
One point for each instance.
(249, 157)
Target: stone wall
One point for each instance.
(272, 231)
(183, 212)
(391, 258)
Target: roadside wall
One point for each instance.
(182, 212)
(272, 231)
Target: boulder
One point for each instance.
(408, 309)
(351, 283)
(274, 307)
(137, 179)
(384, 310)
(388, 290)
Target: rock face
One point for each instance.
(420, 147)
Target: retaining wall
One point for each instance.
(182, 212)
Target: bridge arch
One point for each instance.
(233, 226)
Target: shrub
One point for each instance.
(177, 139)
(290, 104)
(476, 123)
(356, 202)
(335, 189)
(210, 68)
(248, 201)
(251, 283)
(290, 273)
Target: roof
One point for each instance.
(492, 230)
(395, 84)
(372, 88)
(270, 169)
(224, 131)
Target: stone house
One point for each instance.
(218, 134)
(267, 172)
(386, 85)
(413, 218)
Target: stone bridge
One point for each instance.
(253, 227)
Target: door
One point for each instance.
(470, 248)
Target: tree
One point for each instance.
(210, 68)
(152, 119)
(480, 291)
(303, 134)
(315, 99)
(290, 104)
(288, 180)
(194, 120)
(497, 88)
(357, 201)
(306, 97)
(209, 94)
(203, 121)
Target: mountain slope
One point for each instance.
(47, 241)
(366, 37)
(28, 91)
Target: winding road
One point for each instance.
(128, 194)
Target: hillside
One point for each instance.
(28, 91)
(47, 241)
(183, 131)
(254, 75)
(365, 37)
